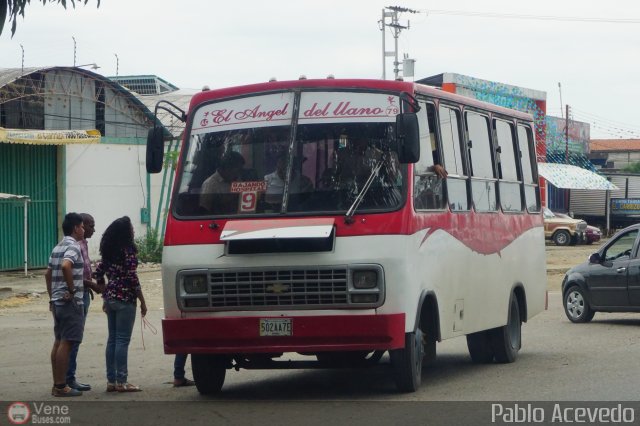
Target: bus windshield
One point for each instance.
(251, 156)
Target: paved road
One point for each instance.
(559, 361)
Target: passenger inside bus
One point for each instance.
(206, 160)
(275, 181)
(430, 173)
(216, 196)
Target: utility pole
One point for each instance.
(117, 63)
(566, 136)
(560, 90)
(74, 50)
(567, 192)
(22, 72)
(393, 13)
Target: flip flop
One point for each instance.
(184, 382)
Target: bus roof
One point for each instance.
(330, 83)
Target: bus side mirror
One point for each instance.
(407, 135)
(155, 149)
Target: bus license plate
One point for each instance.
(275, 327)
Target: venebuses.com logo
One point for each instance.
(20, 413)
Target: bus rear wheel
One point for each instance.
(407, 362)
(209, 372)
(507, 340)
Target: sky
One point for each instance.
(219, 44)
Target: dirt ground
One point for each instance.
(560, 259)
(25, 333)
(28, 295)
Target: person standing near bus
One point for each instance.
(89, 229)
(65, 288)
(179, 379)
(119, 263)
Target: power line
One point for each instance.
(532, 17)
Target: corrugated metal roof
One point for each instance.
(614, 145)
(181, 98)
(567, 176)
(9, 75)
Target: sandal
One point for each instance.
(178, 383)
(111, 387)
(127, 387)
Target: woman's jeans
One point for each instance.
(120, 317)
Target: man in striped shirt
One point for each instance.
(64, 278)
(89, 229)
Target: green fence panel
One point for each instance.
(28, 170)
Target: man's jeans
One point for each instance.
(120, 317)
(178, 366)
(73, 354)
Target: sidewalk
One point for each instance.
(15, 283)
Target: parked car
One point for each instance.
(592, 234)
(563, 231)
(609, 281)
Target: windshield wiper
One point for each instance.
(348, 218)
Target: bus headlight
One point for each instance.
(195, 284)
(365, 279)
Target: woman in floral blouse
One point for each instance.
(119, 263)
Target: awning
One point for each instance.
(49, 137)
(571, 177)
(4, 196)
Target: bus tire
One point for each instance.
(507, 340)
(430, 352)
(407, 362)
(562, 238)
(480, 347)
(209, 372)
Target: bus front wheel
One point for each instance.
(407, 362)
(209, 372)
(480, 347)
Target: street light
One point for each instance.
(93, 66)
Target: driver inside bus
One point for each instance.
(229, 170)
(358, 159)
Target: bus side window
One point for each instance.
(452, 156)
(510, 183)
(531, 190)
(428, 188)
(483, 181)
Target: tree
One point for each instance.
(632, 168)
(13, 8)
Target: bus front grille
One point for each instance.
(279, 287)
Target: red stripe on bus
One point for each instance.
(485, 233)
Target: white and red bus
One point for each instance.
(309, 229)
